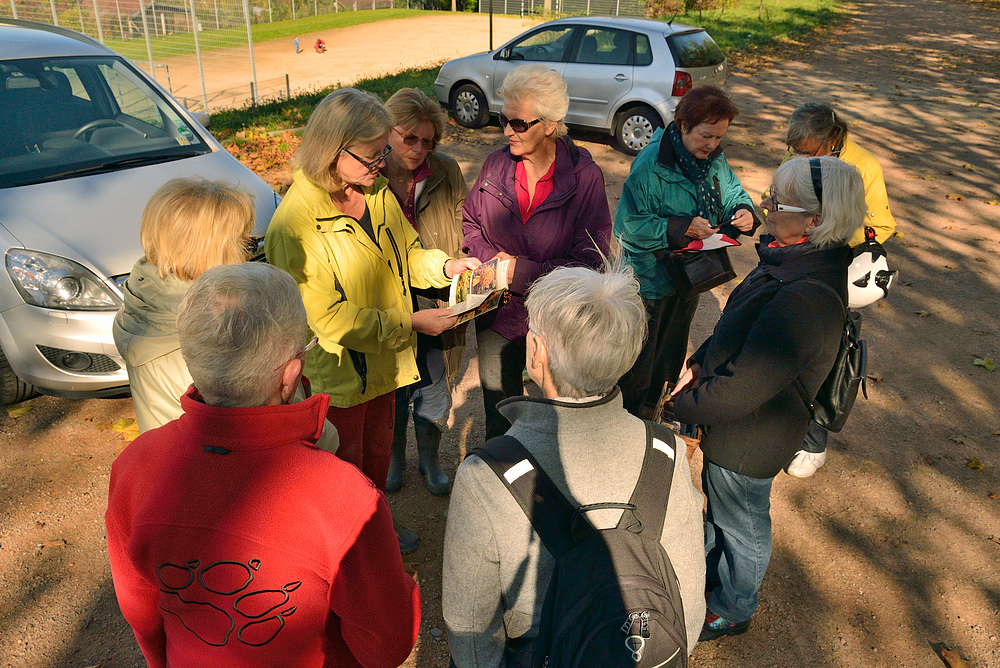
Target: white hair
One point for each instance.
(544, 88)
(238, 324)
(843, 208)
(593, 325)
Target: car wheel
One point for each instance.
(635, 127)
(468, 103)
(12, 388)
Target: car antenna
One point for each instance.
(671, 21)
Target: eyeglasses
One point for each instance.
(309, 346)
(517, 124)
(413, 140)
(372, 165)
(775, 206)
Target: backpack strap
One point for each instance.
(543, 504)
(653, 488)
(810, 402)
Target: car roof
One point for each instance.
(28, 39)
(645, 25)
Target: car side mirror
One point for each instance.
(502, 54)
(203, 118)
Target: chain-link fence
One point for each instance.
(632, 8)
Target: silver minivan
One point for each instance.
(85, 139)
(624, 76)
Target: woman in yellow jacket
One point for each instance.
(815, 129)
(341, 234)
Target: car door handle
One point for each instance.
(621, 77)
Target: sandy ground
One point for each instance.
(889, 554)
(367, 50)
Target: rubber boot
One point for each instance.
(408, 540)
(397, 462)
(428, 442)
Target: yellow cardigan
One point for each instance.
(356, 293)
(879, 216)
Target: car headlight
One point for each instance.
(55, 282)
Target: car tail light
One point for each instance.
(682, 83)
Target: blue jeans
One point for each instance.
(737, 539)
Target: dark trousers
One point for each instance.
(501, 364)
(663, 354)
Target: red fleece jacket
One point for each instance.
(235, 542)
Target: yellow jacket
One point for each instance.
(879, 216)
(356, 293)
(876, 198)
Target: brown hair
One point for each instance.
(704, 104)
(192, 224)
(411, 107)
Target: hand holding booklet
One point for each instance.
(480, 290)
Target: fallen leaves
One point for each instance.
(974, 464)
(126, 428)
(957, 198)
(969, 167)
(985, 362)
(20, 411)
(954, 659)
(922, 313)
(993, 202)
(874, 376)
(995, 496)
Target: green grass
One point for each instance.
(737, 29)
(284, 114)
(183, 43)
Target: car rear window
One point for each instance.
(695, 49)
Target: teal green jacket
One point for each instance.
(656, 208)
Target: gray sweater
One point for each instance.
(496, 569)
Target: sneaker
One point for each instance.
(804, 464)
(716, 627)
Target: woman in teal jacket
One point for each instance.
(680, 188)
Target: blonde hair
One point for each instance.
(411, 107)
(346, 116)
(193, 223)
(546, 90)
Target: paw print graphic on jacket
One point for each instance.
(211, 602)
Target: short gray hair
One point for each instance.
(843, 209)
(237, 325)
(814, 120)
(593, 325)
(544, 88)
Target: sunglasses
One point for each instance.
(517, 124)
(413, 140)
(371, 165)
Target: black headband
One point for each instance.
(816, 170)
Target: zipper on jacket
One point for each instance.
(358, 359)
(399, 259)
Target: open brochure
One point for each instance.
(479, 290)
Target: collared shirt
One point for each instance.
(775, 244)
(542, 189)
(409, 206)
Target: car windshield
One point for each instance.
(65, 117)
(695, 49)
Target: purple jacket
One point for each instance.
(568, 228)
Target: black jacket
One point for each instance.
(775, 328)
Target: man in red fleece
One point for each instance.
(233, 540)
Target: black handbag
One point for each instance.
(694, 272)
(833, 402)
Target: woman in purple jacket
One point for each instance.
(541, 202)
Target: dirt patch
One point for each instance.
(887, 555)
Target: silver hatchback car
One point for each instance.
(625, 76)
(85, 140)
